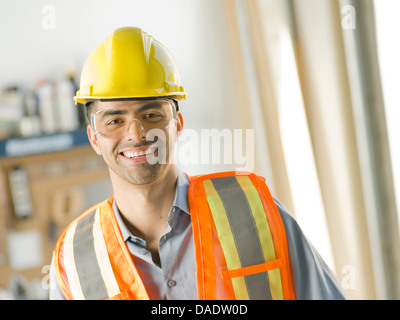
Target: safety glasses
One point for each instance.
(114, 122)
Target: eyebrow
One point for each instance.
(150, 105)
(113, 112)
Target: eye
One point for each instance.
(152, 116)
(115, 121)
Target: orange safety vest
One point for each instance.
(240, 246)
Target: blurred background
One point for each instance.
(313, 81)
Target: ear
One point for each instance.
(179, 125)
(93, 140)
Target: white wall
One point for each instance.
(194, 31)
(388, 25)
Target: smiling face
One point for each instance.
(133, 136)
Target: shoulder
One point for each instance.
(85, 214)
(312, 277)
(287, 218)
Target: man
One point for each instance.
(165, 234)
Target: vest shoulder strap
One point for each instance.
(238, 209)
(92, 261)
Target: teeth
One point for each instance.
(131, 154)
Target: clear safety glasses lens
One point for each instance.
(145, 115)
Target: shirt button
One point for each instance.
(171, 283)
(143, 251)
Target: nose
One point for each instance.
(136, 130)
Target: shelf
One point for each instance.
(24, 146)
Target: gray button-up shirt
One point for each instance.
(176, 278)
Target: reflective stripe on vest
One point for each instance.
(240, 235)
(92, 261)
(239, 242)
(250, 233)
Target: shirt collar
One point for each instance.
(181, 192)
(180, 201)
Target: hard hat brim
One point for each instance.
(85, 99)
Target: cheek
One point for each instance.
(97, 149)
(107, 150)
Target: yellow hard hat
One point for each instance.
(129, 64)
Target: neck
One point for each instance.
(145, 208)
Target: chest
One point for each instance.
(173, 277)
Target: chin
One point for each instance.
(143, 174)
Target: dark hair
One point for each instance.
(88, 109)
